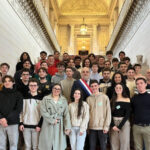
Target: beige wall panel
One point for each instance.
(63, 37)
(103, 37)
(15, 38)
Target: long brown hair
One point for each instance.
(80, 103)
(114, 97)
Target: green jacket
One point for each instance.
(52, 135)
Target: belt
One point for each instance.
(143, 125)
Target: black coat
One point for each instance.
(76, 85)
(11, 103)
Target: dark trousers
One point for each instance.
(102, 138)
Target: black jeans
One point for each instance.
(97, 134)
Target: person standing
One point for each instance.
(120, 126)
(79, 115)
(100, 117)
(141, 115)
(56, 121)
(83, 84)
(67, 83)
(11, 103)
(30, 118)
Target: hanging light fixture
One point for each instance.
(83, 28)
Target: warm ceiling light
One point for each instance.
(83, 28)
(83, 47)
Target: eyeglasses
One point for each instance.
(57, 89)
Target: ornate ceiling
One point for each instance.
(84, 7)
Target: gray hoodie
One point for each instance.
(57, 78)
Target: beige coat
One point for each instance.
(52, 135)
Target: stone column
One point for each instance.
(95, 45)
(71, 50)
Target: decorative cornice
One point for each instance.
(135, 17)
(124, 11)
(36, 22)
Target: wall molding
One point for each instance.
(134, 19)
(30, 17)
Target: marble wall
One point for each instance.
(134, 34)
(18, 35)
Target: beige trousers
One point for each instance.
(120, 140)
(141, 136)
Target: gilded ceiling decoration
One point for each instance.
(84, 7)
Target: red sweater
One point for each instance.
(52, 70)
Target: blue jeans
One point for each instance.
(77, 141)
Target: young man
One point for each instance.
(130, 82)
(4, 68)
(51, 65)
(123, 69)
(43, 64)
(100, 117)
(121, 55)
(101, 61)
(94, 74)
(109, 55)
(44, 84)
(10, 107)
(107, 64)
(76, 74)
(27, 65)
(115, 63)
(128, 62)
(67, 83)
(56, 57)
(23, 86)
(141, 112)
(77, 61)
(106, 81)
(137, 68)
(65, 58)
(43, 56)
(60, 75)
(30, 118)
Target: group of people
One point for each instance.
(59, 103)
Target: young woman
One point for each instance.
(120, 126)
(79, 115)
(117, 78)
(86, 63)
(56, 121)
(23, 57)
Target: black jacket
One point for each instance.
(22, 88)
(11, 103)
